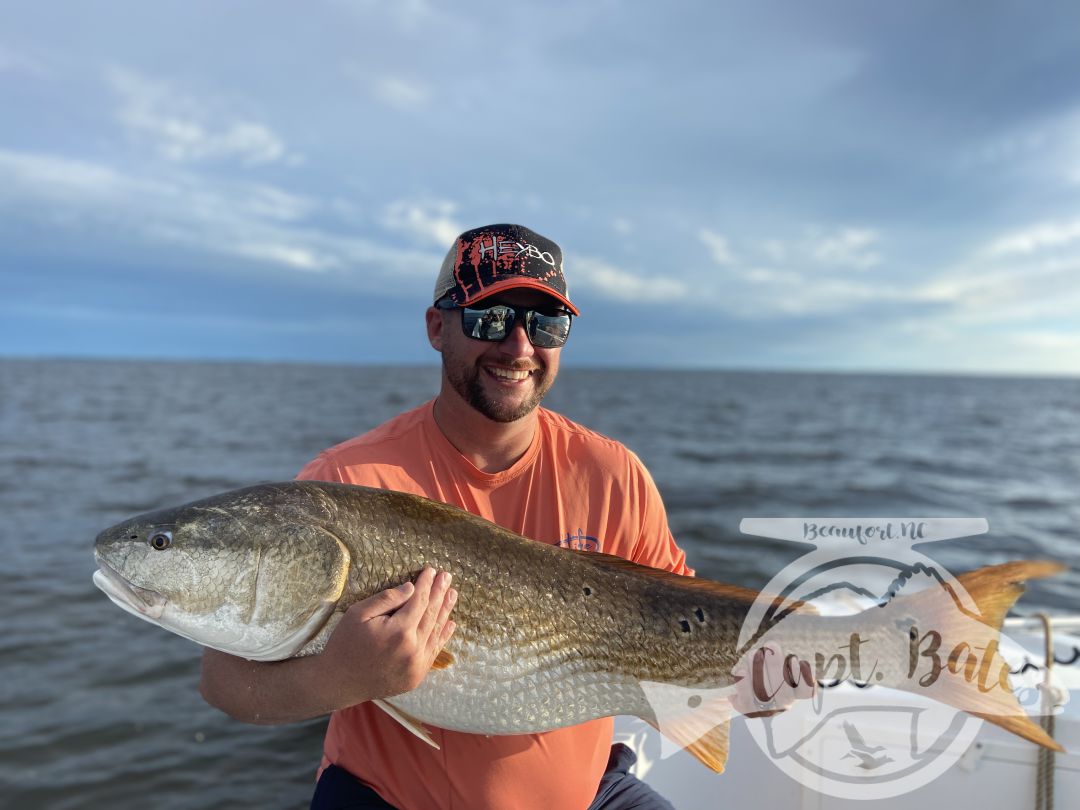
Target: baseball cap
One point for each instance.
(493, 258)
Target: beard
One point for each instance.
(466, 381)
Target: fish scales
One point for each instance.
(562, 637)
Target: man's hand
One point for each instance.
(386, 644)
(774, 682)
(382, 646)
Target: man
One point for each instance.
(500, 316)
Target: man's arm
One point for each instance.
(382, 646)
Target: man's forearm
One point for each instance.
(264, 693)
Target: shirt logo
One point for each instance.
(580, 541)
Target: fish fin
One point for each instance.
(997, 587)
(735, 593)
(696, 719)
(973, 676)
(710, 748)
(407, 720)
(442, 660)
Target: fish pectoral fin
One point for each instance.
(407, 720)
(442, 660)
(698, 720)
(710, 748)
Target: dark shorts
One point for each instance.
(619, 790)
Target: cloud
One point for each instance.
(846, 248)
(717, 245)
(1034, 239)
(1029, 289)
(254, 222)
(273, 203)
(1044, 152)
(763, 278)
(296, 256)
(178, 128)
(1011, 148)
(391, 90)
(763, 292)
(1032, 272)
(620, 285)
(766, 275)
(787, 263)
(425, 221)
(52, 178)
(400, 93)
(1049, 341)
(749, 292)
(775, 250)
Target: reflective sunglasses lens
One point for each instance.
(493, 323)
(548, 331)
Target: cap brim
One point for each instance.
(519, 284)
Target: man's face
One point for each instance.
(504, 381)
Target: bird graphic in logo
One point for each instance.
(863, 752)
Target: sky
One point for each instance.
(816, 185)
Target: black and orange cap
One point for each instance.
(493, 258)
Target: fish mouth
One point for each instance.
(142, 602)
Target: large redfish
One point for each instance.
(545, 637)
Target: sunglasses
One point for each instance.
(545, 330)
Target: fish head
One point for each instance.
(244, 578)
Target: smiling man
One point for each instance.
(500, 317)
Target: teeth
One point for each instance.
(506, 374)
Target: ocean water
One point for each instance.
(98, 709)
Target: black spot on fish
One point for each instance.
(685, 625)
(694, 701)
(588, 591)
(700, 615)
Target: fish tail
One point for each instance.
(961, 645)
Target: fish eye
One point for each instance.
(159, 541)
